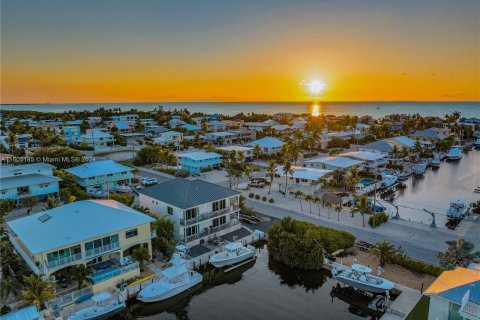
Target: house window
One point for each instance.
(191, 230)
(110, 174)
(190, 213)
(170, 211)
(91, 178)
(131, 233)
(219, 205)
(219, 221)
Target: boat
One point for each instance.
(359, 277)
(174, 279)
(102, 309)
(457, 210)
(234, 253)
(388, 181)
(468, 146)
(402, 176)
(419, 169)
(477, 144)
(455, 153)
(436, 161)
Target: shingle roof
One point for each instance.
(184, 194)
(75, 222)
(97, 168)
(26, 180)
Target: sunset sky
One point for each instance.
(200, 50)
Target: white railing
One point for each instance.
(64, 261)
(208, 215)
(28, 259)
(115, 272)
(67, 298)
(102, 249)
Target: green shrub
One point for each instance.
(271, 200)
(257, 196)
(418, 266)
(248, 211)
(182, 173)
(380, 217)
(264, 198)
(167, 170)
(251, 195)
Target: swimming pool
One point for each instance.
(366, 181)
(106, 274)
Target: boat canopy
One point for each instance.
(174, 272)
(360, 268)
(458, 202)
(101, 297)
(233, 246)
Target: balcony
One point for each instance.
(208, 215)
(64, 261)
(101, 250)
(210, 231)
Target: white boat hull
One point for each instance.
(151, 293)
(230, 261)
(97, 313)
(360, 285)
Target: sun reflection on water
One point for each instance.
(315, 109)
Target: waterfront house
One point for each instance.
(101, 175)
(269, 145)
(401, 142)
(99, 234)
(333, 163)
(373, 161)
(198, 161)
(97, 139)
(260, 126)
(28, 180)
(169, 138)
(199, 210)
(220, 138)
(455, 294)
(303, 179)
(247, 151)
(428, 134)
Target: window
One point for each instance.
(191, 230)
(91, 178)
(131, 233)
(219, 205)
(170, 210)
(219, 221)
(110, 174)
(190, 213)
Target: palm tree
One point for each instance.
(459, 253)
(309, 199)
(384, 250)
(299, 195)
(394, 152)
(328, 205)
(257, 151)
(7, 286)
(141, 255)
(271, 172)
(81, 275)
(362, 207)
(318, 201)
(338, 209)
(287, 170)
(37, 290)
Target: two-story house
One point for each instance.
(28, 180)
(223, 138)
(301, 179)
(97, 139)
(198, 161)
(216, 126)
(333, 163)
(169, 138)
(199, 210)
(99, 234)
(269, 145)
(101, 175)
(372, 161)
(247, 151)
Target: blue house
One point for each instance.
(69, 133)
(190, 127)
(199, 161)
(269, 145)
(28, 180)
(103, 175)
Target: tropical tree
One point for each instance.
(299, 195)
(309, 200)
(361, 206)
(287, 170)
(257, 151)
(51, 203)
(141, 255)
(8, 286)
(81, 275)
(29, 202)
(459, 253)
(328, 205)
(338, 209)
(271, 172)
(383, 250)
(37, 291)
(318, 201)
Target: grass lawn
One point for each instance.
(420, 311)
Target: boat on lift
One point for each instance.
(234, 253)
(419, 169)
(457, 210)
(455, 153)
(359, 277)
(388, 181)
(102, 309)
(436, 161)
(176, 278)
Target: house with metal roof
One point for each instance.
(243, 135)
(199, 210)
(99, 234)
(121, 126)
(216, 126)
(198, 161)
(190, 127)
(303, 179)
(169, 138)
(429, 134)
(29, 180)
(455, 294)
(247, 151)
(101, 175)
(97, 139)
(373, 161)
(269, 145)
(222, 138)
(333, 163)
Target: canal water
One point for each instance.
(435, 190)
(261, 289)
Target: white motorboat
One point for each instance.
(174, 279)
(234, 253)
(457, 210)
(102, 309)
(455, 153)
(419, 169)
(359, 277)
(436, 161)
(388, 181)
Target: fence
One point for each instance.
(68, 298)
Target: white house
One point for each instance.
(169, 138)
(220, 138)
(372, 160)
(333, 163)
(97, 139)
(199, 210)
(269, 145)
(247, 151)
(303, 179)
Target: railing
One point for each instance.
(102, 249)
(208, 215)
(28, 259)
(64, 261)
(67, 298)
(210, 231)
(96, 278)
(468, 308)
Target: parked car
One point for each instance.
(257, 184)
(149, 181)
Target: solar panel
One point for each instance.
(44, 217)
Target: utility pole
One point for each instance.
(433, 224)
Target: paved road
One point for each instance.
(416, 250)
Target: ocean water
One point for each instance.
(375, 109)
